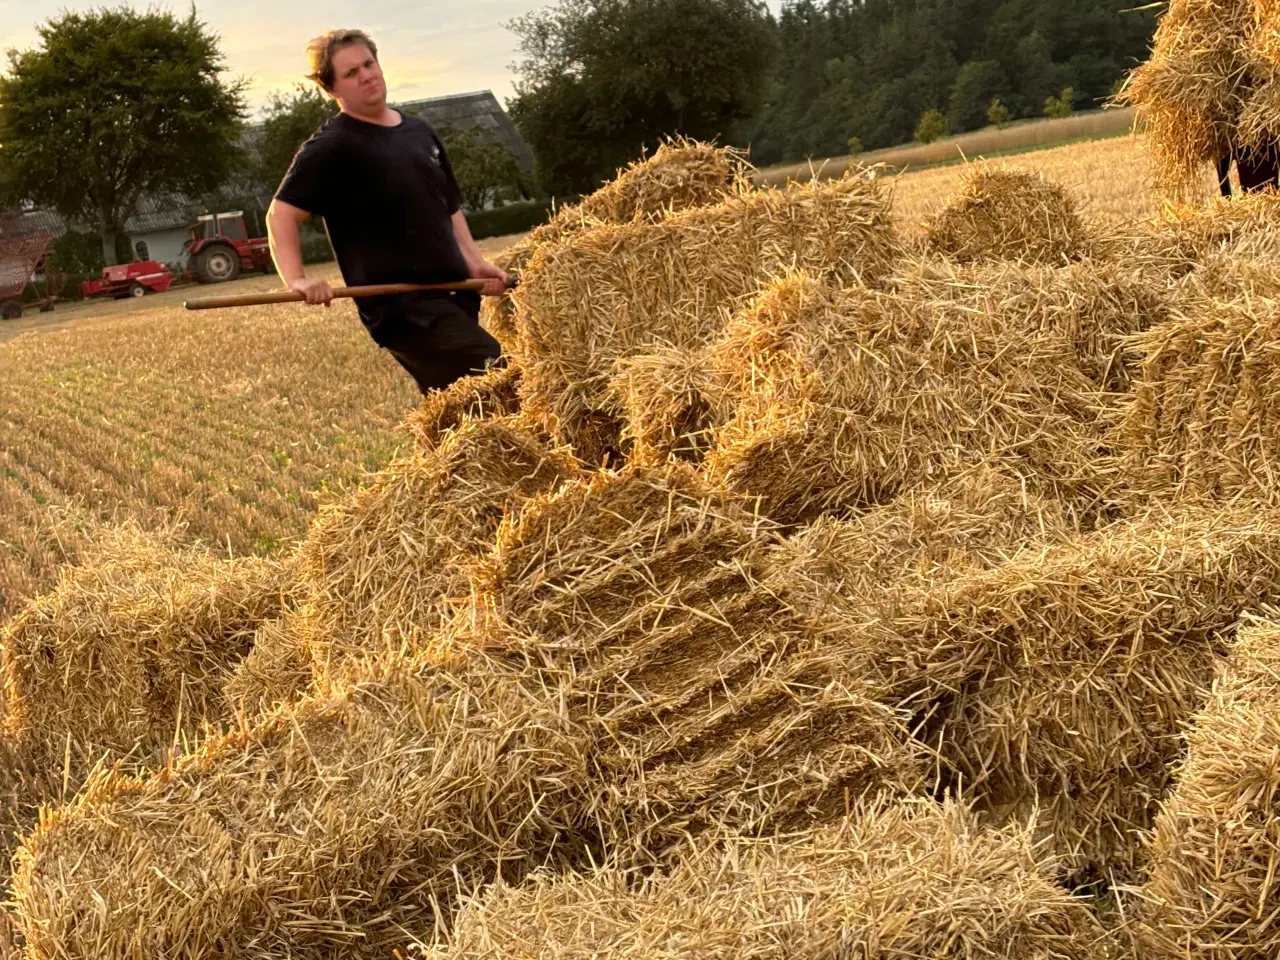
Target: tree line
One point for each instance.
(117, 104)
(602, 79)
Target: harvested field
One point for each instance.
(803, 585)
(232, 423)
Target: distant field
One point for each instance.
(234, 421)
(1023, 135)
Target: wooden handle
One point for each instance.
(289, 296)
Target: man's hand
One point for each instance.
(495, 278)
(316, 291)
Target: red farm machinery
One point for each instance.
(21, 258)
(220, 248)
(129, 280)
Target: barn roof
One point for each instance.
(161, 212)
(478, 111)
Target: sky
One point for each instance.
(427, 49)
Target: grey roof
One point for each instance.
(156, 213)
(478, 111)
(30, 223)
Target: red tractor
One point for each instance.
(220, 249)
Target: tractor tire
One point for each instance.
(217, 264)
(137, 290)
(11, 310)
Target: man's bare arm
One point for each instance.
(495, 277)
(283, 221)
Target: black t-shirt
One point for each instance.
(387, 195)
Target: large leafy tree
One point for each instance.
(486, 171)
(113, 105)
(290, 121)
(601, 80)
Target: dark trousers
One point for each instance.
(439, 340)
(1258, 169)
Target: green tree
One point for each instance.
(997, 113)
(976, 84)
(1061, 105)
(933, 126)
(601, 80)
(486, 172)
(855, 146)
(289, 122)
(113, 105)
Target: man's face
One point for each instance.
(357, 78)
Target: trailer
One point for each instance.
(129, 280)
(19, 258)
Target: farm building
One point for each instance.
(479, 112)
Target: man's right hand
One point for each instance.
(315, 291)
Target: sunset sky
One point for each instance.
(427, 50)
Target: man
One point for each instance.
(383, 184)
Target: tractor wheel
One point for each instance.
(10, 310)
(137, 290)
(217, 264)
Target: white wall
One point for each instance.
(163, 245)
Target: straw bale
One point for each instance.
(381, 569)
(130, 649)
(898, 882)
(1008, 215)
(1188, 93)
(489, 395)
(277, 669)
(846, 398)
(498, 314)
(620, 290)
(1211, 891)
(1062, 678)
(1201, 421)
(672, 404)
(1183, 238)
(1096, 305)
(681, 174)
(324, 829)
(706, 700)
(868, 566)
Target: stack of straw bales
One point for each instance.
(326, 828)
(129, 652)
(1201, 419)
(381, 570)
(896, 882)
(1062, 677)
(1216, 849)
(848, 397)
(1190, 92)
(1008, 215)
(617, 291)
(705, 699)
(681, 174)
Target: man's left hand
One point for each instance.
(495, 278)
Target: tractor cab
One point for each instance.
(220, 248)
